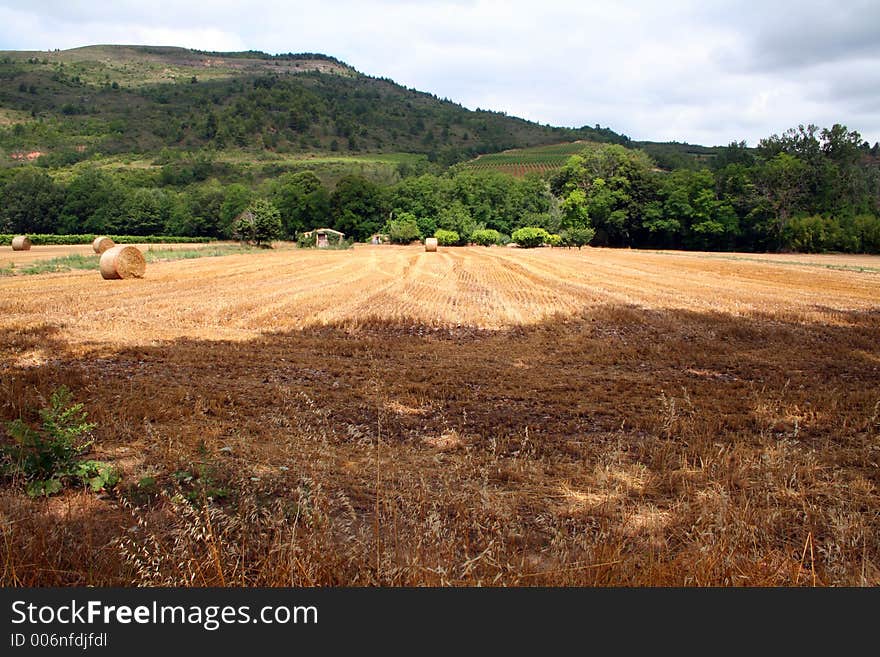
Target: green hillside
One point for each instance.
(547, 159)
(108, 100)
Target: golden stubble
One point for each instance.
(472, 416)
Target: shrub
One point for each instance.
(577, 236)
(307, 240)
(867, 227)
(447, 237)
(48, 457)
(403, 231)
(486, 237)
(530, 237)
(553, 240)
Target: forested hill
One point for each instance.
(70, 104)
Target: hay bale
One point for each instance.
(123, 261)
(101, 244)
(431, 244)
(21, 243)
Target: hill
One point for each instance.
(65, 106)
(547, 159)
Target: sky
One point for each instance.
(705, 72)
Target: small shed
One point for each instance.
(324, 236)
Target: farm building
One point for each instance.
(323, 236)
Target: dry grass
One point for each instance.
(39, 252)
(386, 416)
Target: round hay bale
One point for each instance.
(101, 244)
(431, 244)
(21, 243)
(123, 261)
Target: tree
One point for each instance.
(95, 202)
(303, 201)
(31, 202)
(237, 198)
(575, 212)
(456, 218)
(148, 212)
(423, 197)
(782, 183)
(616, 184)
(260, 223)
(358, 206)
(403, 229)
(577, 236)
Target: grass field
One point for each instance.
(475, 416)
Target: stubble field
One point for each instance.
(493, 416)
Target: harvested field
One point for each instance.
(496, 416)
(47, 252)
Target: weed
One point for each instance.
(48, 458)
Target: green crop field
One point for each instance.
(523, 161)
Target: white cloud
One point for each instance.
(706, 72)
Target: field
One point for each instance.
(10, 258)
(523, 161)
(475, 416)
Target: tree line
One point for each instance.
(807, 190)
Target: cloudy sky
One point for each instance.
(698, 71)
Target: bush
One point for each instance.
(578, 237)
(867, 227)
(48, 458)
(307, 240)
(553, 240)
(530, 237)
(486, 237)
(447, 237)
(817, 234)
(403, 231)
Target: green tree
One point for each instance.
(147, 212)
(577, 236)
(237, 198)
(259, 224)
(95, 202)
(616, 182)
(575, 210)
(456, 218)
(404, 229)
(782, 182)
(359, 207)
(31, 202)
(303, 201)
